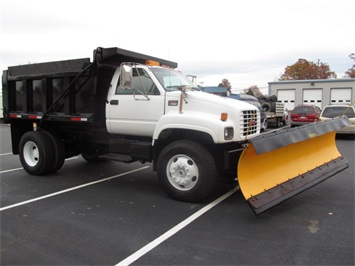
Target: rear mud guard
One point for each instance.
(281, 164)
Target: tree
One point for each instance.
(351, 71)
(253, 91)
(303, 70)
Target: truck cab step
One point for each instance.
(118, 157)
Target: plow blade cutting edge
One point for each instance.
(278, 165)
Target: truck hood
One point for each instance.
(203, 111)
(207, 100)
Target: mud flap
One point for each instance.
(281, 164)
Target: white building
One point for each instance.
(320, 92)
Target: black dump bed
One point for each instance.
(70, 90)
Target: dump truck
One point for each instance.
(131, 107)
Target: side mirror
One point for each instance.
(126, 77)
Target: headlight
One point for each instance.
(228, 133)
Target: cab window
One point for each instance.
(142, 84)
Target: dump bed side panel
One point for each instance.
(48, 69)
(29, 90)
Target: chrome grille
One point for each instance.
(249, 122)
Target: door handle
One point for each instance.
(114, 102)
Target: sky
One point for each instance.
(248, 42)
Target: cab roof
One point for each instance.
(117, 56)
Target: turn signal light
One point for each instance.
(224, 116)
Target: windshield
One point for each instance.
(172, 80)
(332, 112)
(303, 110)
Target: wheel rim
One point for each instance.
(182, 172)
(31, 153)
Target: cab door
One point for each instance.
(134, 111)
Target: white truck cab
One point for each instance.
(150, 99)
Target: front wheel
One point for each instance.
(91, 156)
(186, 170)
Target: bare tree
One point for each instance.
(351, 71)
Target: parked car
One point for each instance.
(332, 111)
(304, 114)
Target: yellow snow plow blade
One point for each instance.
(278, 165)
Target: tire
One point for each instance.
(272, 98)
(186, 170)
(261, 98)
(264, 125)
(36, 153)
(278, 122)
(266, 107)
(91, 157)
(58, 151)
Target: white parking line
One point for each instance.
(16, 169)
(70, 189)
(135, 256)
(11, 170)
(9, 153)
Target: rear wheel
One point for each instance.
(58, 151)
(186, 170)
(36, 153)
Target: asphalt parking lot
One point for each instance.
(113, 213)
